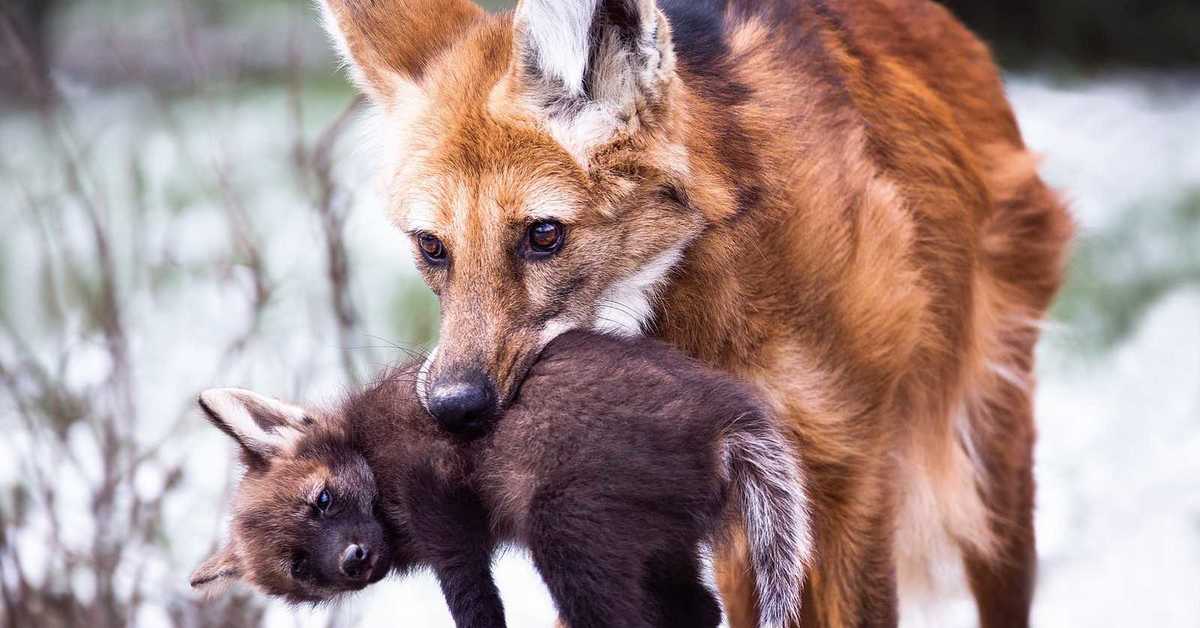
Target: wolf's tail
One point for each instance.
(773, 503)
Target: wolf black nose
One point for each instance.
(354, 560)
(463, 405)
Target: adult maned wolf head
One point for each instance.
(537, 162)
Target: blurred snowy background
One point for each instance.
(186, 201)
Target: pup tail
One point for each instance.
(770, 494)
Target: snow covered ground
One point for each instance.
(1119, 453)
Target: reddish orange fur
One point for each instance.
(867, 240)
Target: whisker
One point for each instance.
(639, 317)
(392, 343)
(613, 322)
(620, 307)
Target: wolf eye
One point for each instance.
(431, 248)
(545, 238)
(324, 500)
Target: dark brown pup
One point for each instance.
(617, 463)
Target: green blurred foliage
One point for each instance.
(415, 314)
(1078, 33)
(1087, 33)
(1118, 274)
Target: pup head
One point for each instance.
(535, 161)
(304, 526)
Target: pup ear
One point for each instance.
(387, 43)
(613, 53)
(263, 426)
(216, 574)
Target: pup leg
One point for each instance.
(1003, 584)
(451, 533)
(592, 569)
(677, 593)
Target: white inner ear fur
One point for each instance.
(217, 573)
(557, 33)
(232, 407)
(211, 589)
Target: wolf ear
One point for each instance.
(613, 53)
(388, 43)
(263, 426)
(216, 574)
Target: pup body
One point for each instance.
(615, 463)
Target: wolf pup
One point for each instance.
(619, 460)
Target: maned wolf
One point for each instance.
(828, 198)
(616, 462)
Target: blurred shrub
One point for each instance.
(1117, 274)
(1087, 33)
(24, 53)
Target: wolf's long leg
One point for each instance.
(1003, 583)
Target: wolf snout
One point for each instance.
(463, 404)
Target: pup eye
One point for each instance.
(324, 500)
(431, 248)
(545, 237)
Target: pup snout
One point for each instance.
(356, 561)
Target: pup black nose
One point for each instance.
(463, 405)
(355, 560)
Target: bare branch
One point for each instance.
(330, 205)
